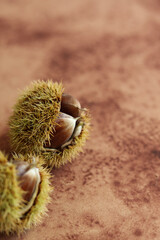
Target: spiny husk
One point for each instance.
(34, 116)
(10, 210)
(33, 121)
(61, 157)
(10, 196)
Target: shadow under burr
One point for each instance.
(4, 142)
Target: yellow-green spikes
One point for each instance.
(19, 179)
(49, 123)
(34, 116)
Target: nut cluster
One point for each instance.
(69, 123)
(47, 129)
(29, 179)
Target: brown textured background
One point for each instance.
(107, 53)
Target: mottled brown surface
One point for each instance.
(107, 53)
